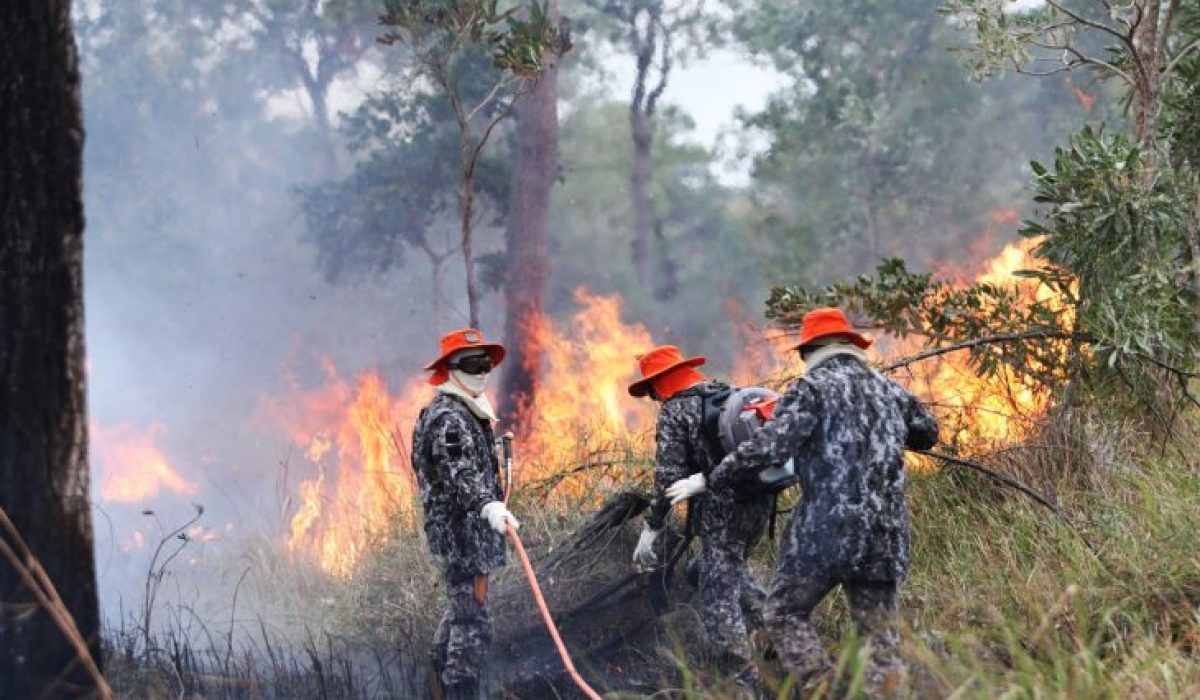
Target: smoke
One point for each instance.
(202, 294)
(204, 298)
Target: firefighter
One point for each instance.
(454, 457)
(729, 595)
(845, 426)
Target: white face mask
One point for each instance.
(473, 384)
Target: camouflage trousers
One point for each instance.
(874, 607)
(464, 635)
(730, 601)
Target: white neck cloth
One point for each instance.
(825, 352)
(479, 404)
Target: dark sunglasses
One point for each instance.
(476, 364)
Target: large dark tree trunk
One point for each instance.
(535, 167)
(43, 426)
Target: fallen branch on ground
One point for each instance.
(1014, 483)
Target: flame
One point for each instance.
(983, 412)
(582, 431)
(582, 412)
(356, 437)
(131, 465)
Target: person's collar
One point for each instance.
(828, 352)
(479, 405)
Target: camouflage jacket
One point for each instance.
(683, 449)
(846, 426)
(454, 457)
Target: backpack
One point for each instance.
(730, 417)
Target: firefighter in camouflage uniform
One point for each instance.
(846, 427)
(454, 457)
(729, 595)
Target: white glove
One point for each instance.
(498, 517)
(644, 558)
(686, 488)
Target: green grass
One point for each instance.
(1004, 600)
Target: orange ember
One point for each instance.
(357, 437)
(132, 468)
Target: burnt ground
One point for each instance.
(624, 630)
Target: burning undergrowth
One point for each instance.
(583, 437)
(352, 557)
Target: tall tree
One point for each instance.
(535, 167)
(659, 34)
(1059, 37)
(43, 425)
(404, 189)
(441, 37)
(317, 42)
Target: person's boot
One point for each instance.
(463, 690)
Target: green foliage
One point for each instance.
(881, 145)
(1042, 38)
(1123, 245)
(403, 191)
(944, 313)
(1117, 304)
(442, 27)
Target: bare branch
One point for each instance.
(989, 340)
(1174, 62)
(1124, 39)
(488, 98)
(1014, 483)
(664, 70)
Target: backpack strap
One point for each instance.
(771, 522)
(713, 401)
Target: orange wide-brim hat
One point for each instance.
(822, 323)
(658, 362)
(462, 339)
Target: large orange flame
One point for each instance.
(582, 413)
(356, 436)
(583, 431)
(979, 413)
(132, 467)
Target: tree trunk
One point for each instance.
(1147, 79)
(468, 250)
(535, 167)
(43, 424)
(641, 129)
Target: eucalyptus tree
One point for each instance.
(314, 43)
(404, 190)
(658, 35)
(439, 36)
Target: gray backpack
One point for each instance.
(730, 417)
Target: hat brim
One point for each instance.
(856, 338)
(495, 352)
(638, 388)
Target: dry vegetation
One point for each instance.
(1004, 600)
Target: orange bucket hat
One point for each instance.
(822, 323)
(658, 362)
(462, 339)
